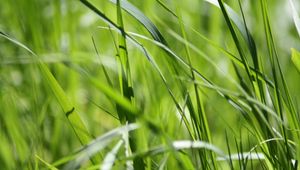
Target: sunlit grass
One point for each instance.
(149, 84)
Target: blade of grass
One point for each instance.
(126, 88)
(51, 167)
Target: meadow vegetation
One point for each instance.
(152, 84)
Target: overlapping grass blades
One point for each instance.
(259, 87)
(175, 83)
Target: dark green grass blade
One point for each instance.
(236, 41)
(229, 152)
(242, 27)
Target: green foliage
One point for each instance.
(150, 84)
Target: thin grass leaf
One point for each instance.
(51, 167)
(229, 152)
(236, 41)
(166, 7)
(241, 25)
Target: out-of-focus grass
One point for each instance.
(156, 84)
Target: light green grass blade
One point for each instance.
(51, 167)
(72, 115)
(296, 58)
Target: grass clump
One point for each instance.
(149, 85)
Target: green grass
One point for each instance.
(152, 84)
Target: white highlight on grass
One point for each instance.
(245, 155)
(109, 159)
(187, 144)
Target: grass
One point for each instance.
(149, 85)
